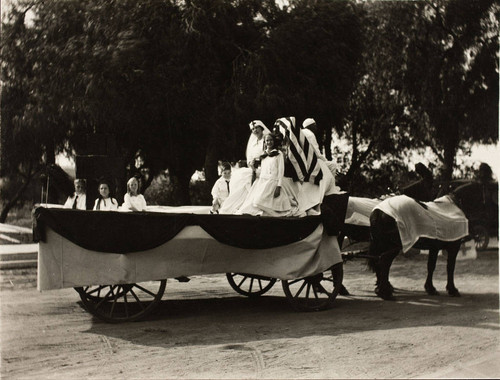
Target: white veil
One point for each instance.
(252, 140)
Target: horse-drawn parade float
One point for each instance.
(119, 262)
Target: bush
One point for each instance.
(161, 192)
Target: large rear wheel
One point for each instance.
(316, 292)
(124, 302)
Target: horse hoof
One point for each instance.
(431, 291)
(453, 292)
(343, 291)
(384, 294)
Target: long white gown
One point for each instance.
(260, 199)
(241, 178)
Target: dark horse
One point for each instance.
(385, 243)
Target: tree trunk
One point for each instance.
(11, 203)
(449, 161)
(211, 163)
(181, 189)
(328, 143)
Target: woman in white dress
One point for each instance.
(242, 178)
(265, 197)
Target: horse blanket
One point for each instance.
(441, 219)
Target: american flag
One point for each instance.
(301, 154)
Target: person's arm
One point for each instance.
(114, 204)
(127, 203)
(69, 202)
(143, 202)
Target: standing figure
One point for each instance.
(105, 202)
(77, 201)
(220, 190)
(243, 177)
(265, 196)
(139, 170)
(133, 200)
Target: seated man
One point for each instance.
(77, 201)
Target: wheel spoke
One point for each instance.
(137, 299)
(242, 281)
(300, 290)
(260, 283)
(114, 303)
(105, 298)
(125, 304)
(251, 285)
(315, 293)
(98, 289)
(145, 290)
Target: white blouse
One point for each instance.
(107, 204)
(134, 201)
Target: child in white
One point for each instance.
(265, 196)
(77, 201)
(220, 191)
(105, 202)
(133, 200)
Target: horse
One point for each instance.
(385, 241)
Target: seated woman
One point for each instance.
(105, 202)
(133, 200)
(265, 197)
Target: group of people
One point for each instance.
(133, 200)
(266, 183)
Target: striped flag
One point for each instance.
(301, 154)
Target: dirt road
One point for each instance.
(203, 329)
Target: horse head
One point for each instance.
(468, 197)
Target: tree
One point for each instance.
(451, 73)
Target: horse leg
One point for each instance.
(431, 266)
(452, 250)
(384, 289)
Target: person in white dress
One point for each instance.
(77, 201)
(220, 190)
(105, 202)
(243, 177)
(133, 200)
(265, 197)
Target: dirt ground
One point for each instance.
(203, 329)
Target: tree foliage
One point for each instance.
(182, 79)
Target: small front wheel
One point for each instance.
(315, 293)
(123, 302)
(250, 285)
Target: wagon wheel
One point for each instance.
(124, 302)
(481, 237)
(250, 285)
(316, 292)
